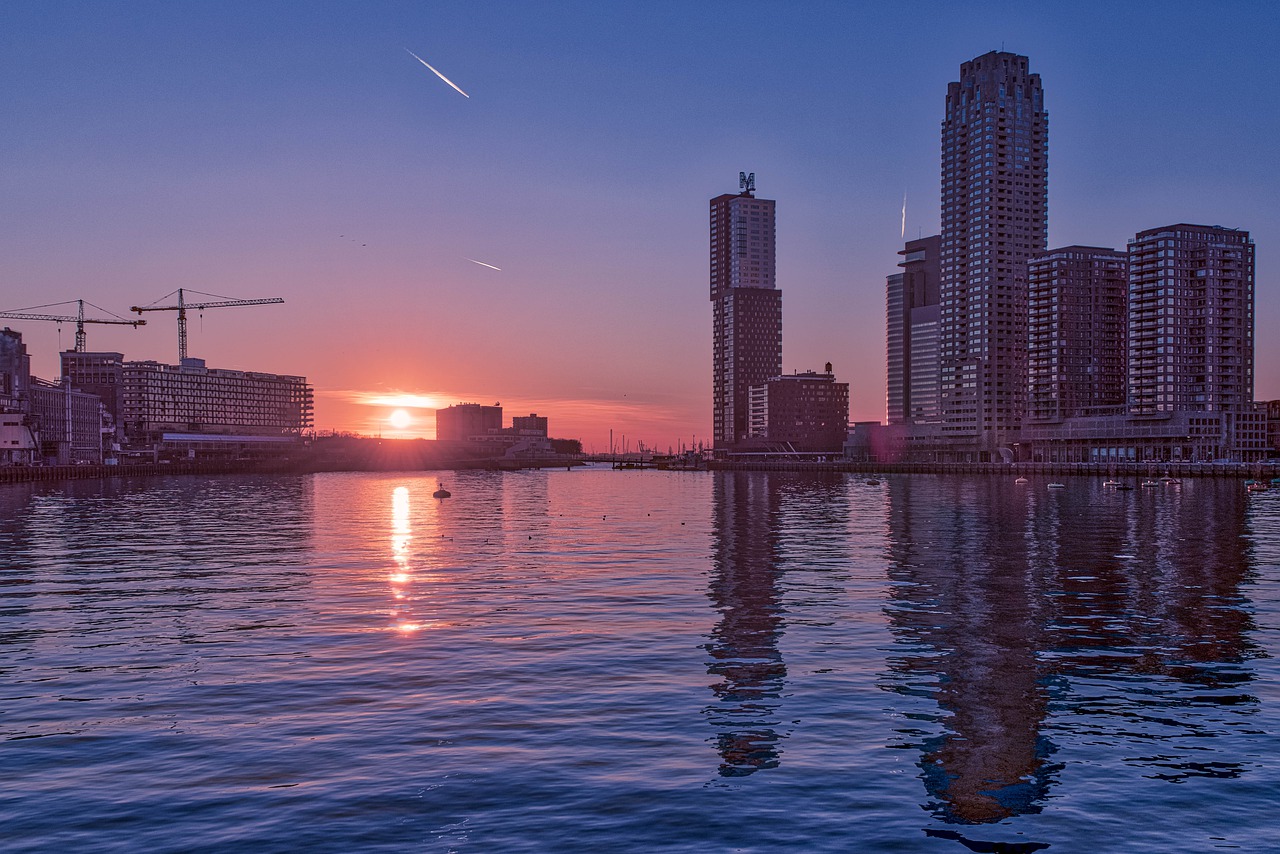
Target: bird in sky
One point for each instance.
(437, 73)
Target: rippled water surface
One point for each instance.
(637, 661)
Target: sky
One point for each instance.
(298, 150)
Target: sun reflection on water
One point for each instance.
(401, 575)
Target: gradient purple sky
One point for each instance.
(296, 150)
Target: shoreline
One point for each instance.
(1117, 469)
(43, 474)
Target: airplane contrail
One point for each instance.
(437, 73)
(904, 216)
(483, 264)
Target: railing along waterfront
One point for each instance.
(28, 474)
(1112, 469)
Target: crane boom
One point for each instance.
(200, 305)
(79, 320)
(183, 305)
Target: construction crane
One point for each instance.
(79, 319)
(183, 305)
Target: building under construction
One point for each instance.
(106, 408)
(192, 411)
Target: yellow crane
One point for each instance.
(183, 305)
(78, 319)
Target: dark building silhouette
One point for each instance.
(463, 421)
(532, 424)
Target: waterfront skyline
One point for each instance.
(256, 150)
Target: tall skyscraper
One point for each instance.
(994, 218)
(1191, 293)
(1078, 309)
(746, 308)
(913, 313)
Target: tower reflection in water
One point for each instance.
(968, 607)
(1082, 615)
(743, 646)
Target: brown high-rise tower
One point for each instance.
(746, 308)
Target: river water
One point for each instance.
(637, 661)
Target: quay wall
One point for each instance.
(31, 474)
(28, 474)
(1118, 470)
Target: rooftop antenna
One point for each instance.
(747, 183)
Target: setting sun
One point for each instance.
(400, 419)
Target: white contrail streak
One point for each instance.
(904, 216)
(437, 73)
(483, 264)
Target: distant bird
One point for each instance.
(483, 264)
(437, 73)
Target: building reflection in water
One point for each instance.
(969, 607)
(743, 646)
(1006, 601)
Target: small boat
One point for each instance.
(1020, 481)
(1056, 485)
(1170, 481)
(871, 481)
(1111, 484)
(1255, 486)
(441, 492)
(1275, 481)
(1149, 482)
